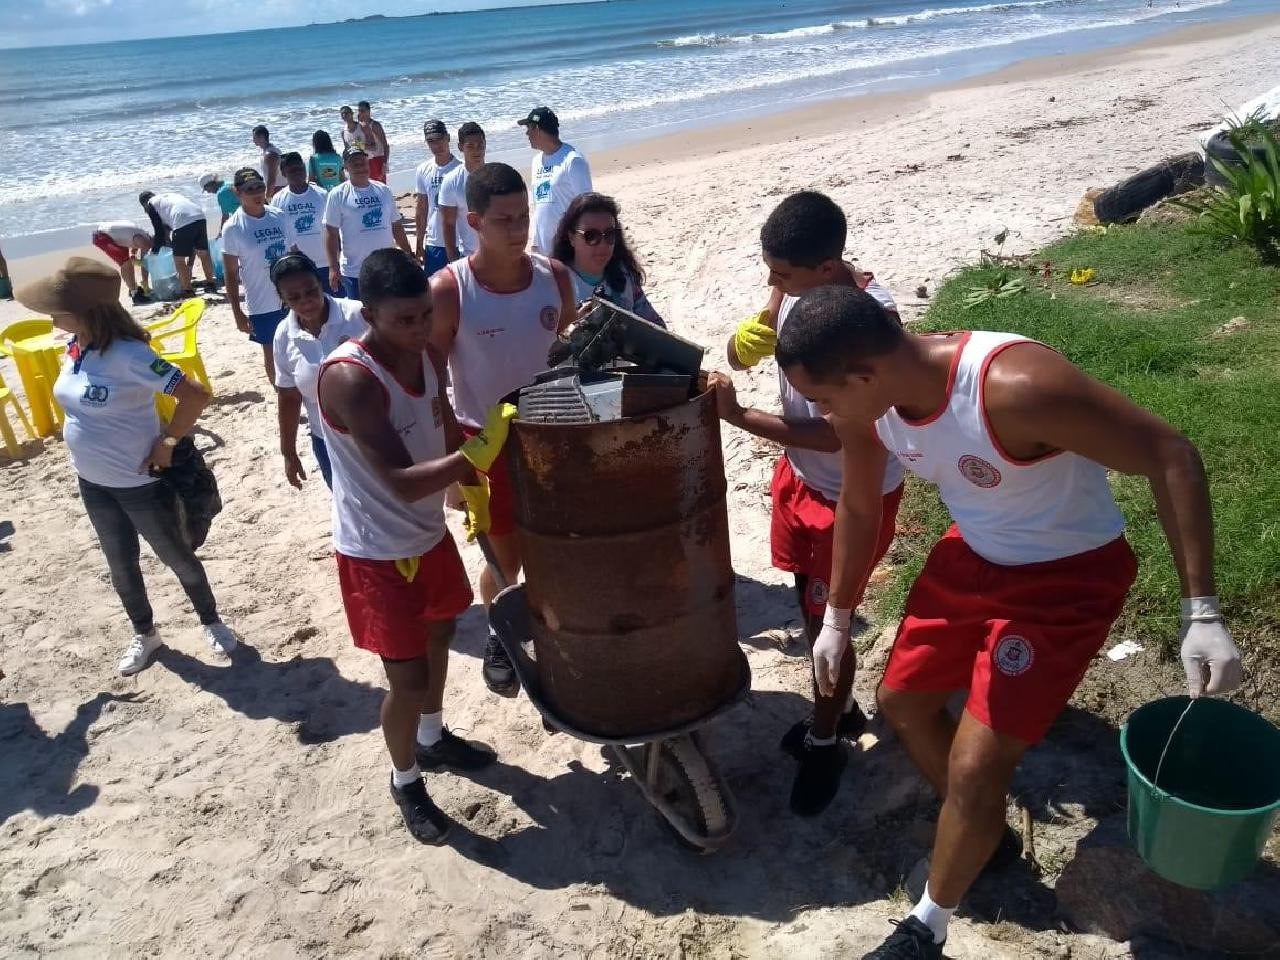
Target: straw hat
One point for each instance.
(79, 286)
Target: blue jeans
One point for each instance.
(434, 259)
(351, 286)
(119, 515)
(321, 453)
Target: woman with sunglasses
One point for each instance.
(315, 324)
(590, 242)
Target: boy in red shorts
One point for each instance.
(122, 241)
(395, 446)
(1019, 596)
(497, 313)
(803, 247)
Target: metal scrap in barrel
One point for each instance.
(629, 581)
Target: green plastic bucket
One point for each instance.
(1204, 825)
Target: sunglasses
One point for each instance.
(593, 237)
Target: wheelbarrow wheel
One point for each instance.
(690, 785)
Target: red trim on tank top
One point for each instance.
(392, 374)
(986, 419)
(386, 397)
(533, 275)
(951, 382)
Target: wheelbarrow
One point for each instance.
(670, 767)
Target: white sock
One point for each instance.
(402, 778)
(430, 726)
(933, 916)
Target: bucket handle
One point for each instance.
(1155, 781)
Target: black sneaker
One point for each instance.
(850, 727)
(452, 751)
(425, 820)
(1009, 851)
(818, 778)
(139, 297)
(499, 675)
(911, 941)
(211, 286)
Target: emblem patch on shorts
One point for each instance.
(549, 318)
(978, 472)
(818, 591)
(1014, 655)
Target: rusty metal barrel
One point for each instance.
(628, 576)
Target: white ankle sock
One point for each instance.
(402, 778)
(430, 727)
(933, 916)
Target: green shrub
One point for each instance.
(1247, 207)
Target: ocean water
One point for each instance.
(87, 127)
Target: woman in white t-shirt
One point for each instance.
(315, 325)
(590, 242)
(107, 388)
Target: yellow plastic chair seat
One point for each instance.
(6, 428)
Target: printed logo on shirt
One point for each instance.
(305, 224)
(549, 318)
(372, 218)
(1013, 656)
(275, 252)
(96, 394)
(542, 192)
(161, 367)
(436, 415)
(978, 472)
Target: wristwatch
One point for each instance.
(169, 441)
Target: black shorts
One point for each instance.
(185, 241)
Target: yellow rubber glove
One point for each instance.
(482, 449)
(408, 567)
(754, 340)
(476, 501)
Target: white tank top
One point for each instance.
(369, 520)
(502, 339)
(1010, 512)
(817, 469)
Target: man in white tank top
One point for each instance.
(803, 246)
(497, 313)
(1017, 598)
(395, 446)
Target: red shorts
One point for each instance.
(801, 531)
(378, 169)
(103, 242)
(388, 614)
(1018, 638)
(502, 505)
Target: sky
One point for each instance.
(38, 23)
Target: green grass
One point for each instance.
(1146, 327)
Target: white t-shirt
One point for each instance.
(427, 184)
(258, 242)
(176, 211)
(109, 401)
(557, 178)
(305, 211)
(122, 231)
(298, 354)
(363, 216)
(453, 193)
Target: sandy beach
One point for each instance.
(240, 810)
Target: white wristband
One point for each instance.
(1200, 609)
(837, 618)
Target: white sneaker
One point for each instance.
(138, 654)
(221, 639)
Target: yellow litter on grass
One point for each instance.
(1082, 276)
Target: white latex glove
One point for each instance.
(1207, 645)
(830, 648)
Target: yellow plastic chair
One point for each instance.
(22, 330)
(37, 371)
(182, 322)
(6, 428)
